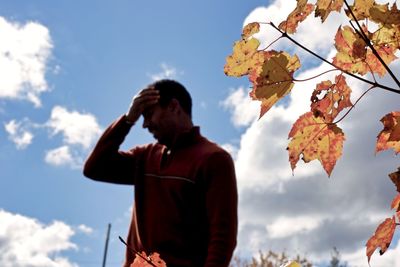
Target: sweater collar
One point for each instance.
(186, 138)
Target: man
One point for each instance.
(185, 186)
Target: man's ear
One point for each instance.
(174, 105)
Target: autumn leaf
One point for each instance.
(395, 177)
(325, 7)
(250, 29)
(389, 137)
(387, 55)
(335, 97)
(361, 9)
(291, 264)
(351, 51)
(148, 261)
(386, 36)
(312, 138)
(244, 58)
(275, 80)
(382, 237)
(300, 13)
(380, 13)
(396, 203)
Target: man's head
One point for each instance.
(170, 89)
(172, 114)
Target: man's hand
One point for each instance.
(144, 99)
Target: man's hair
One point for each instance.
(170, 89)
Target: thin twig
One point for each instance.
(313, 77)
(347, 112)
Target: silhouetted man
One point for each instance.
(185, 186)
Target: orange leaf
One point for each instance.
(361, 9)
(148, 261)
(389, 137)
(325, 7)
(275, 80)
(386, 53)
(336, 97)
(382, 237)
(395, 177)
(250, 29)
(244, 58)
(299, 14)
(314, 139)
(396, 203)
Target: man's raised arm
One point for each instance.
(106, 163)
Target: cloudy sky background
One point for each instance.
(68, 69)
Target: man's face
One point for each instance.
(159, 123)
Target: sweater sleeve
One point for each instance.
(221, 204)
(106, 163)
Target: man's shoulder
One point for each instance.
(209, 147)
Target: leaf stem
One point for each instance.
(374, 84)
(368, 42)
(313, 77)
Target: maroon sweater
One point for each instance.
(185, 196)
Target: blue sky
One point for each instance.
(79, 63)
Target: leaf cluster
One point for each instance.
(367, 45)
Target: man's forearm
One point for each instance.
(106, 163)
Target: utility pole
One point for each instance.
(106, 247)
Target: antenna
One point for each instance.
(106, 247)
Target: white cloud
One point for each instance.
(61, 156)
(167, 72)
(26, 242)
(85, 229)
(18, 133)
(76, 128)
(79, 132)
(307, 212)
(244, 110)
(288, 226)
(24, 52)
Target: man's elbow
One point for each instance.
(89, 170)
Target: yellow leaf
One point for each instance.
(361, 9)
(291, 264)
(250, 29)
(325, 7)
(389, 137)
(275, 80)
(382, 237)
(244, 58)
(314, 139)
(300, 13)
(387, 36)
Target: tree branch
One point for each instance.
(374, 84)
(369, 44)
